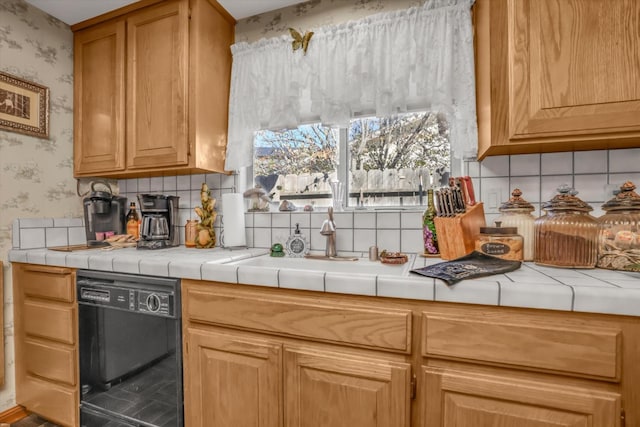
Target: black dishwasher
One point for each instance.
(130, 350)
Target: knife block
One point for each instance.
(457, 235)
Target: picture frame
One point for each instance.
(24, 106)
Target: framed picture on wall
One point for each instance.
(24, 106)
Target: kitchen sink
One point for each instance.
(340, 264)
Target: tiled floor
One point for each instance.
(33, 421)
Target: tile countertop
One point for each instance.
(532, 286)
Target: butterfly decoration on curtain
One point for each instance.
(300, 41)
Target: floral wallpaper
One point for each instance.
(36, 175)
(312, 14)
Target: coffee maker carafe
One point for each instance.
(159, 227)
(104, 213)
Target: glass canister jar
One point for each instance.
(619, 235)
(190, 233)
(501, 242)
(566, 234)
(516, 212)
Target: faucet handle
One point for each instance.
(328, 227)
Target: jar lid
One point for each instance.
(498, 230)
(516, 202)
(626, 199)
(566, 200)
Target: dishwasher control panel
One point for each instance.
(123, 295)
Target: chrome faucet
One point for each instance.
(328, 229)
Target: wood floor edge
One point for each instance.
(14, 414)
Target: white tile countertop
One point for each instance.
(531, 286)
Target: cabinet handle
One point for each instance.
(48, 269)
(414, 386)
(623, 418)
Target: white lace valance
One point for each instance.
(418, 58)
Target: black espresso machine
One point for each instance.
(159, 227)
(104, 214)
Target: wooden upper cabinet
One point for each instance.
(158, 53)
(99, 99)
(557, 75)
(152, 90)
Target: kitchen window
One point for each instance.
(388, 161)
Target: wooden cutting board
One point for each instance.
(71, 248)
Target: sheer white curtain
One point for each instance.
(418, 58)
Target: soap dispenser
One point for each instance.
(297, 245)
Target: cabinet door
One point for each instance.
(231, 380)
(456, 398)
(325, 389)
(575, 66)
(157, 82)
(99, 91)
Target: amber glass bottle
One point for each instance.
(133, 221)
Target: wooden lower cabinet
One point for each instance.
(326, 389)
(46, 343)
(459, 398)
(231, 380)
(237, 379)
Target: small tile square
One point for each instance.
(144, 185)
(183, 182)
(220, 272)
(536, 295)
(472, 169)
(344, 240)
(15, 233)
(196, 181)
(184, 201)
(31, 238)
(624, 160)
(607, 300)
(302, 218)
(37, 257)
(590, 161)
(591, 188)
(56, 236)
(363, 239)
(343, 219)
(411, 220)
(475, 291)
(556, 163)
(36, 222)
(156, 184)
(280, 235)
(281, 220)
(259, 276)
(357, 284)
(170, 183)
(388, 239)
(68, 222)
(77, 235)
(79, 260)
(411, 241)
(228, 181)
(102, 261)
(262, 237)
(525, 164)
(388, 220)
(131, 185)
(300, 279)
(549, 185)
(213, 180)
(248, 219)
(364, 220)
(494, 166)
(317, 218)
(122, 185)
(529, 185)
(493, 192)
(261, 219)
(411, 288)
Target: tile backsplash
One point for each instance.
(594, 174)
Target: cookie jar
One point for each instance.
(516, 212)
(619, 235)
(566, 234)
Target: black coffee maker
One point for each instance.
(159, 227)
(104, 214)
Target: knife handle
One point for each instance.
(470, 193)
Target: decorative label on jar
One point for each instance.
(495, 248)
